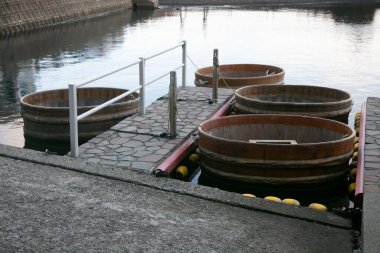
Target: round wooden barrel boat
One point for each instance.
(46, 113)
(305, 100)
(286, 155)
(239, 75)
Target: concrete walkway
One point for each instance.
(371, 196)
(59, 204)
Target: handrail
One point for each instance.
(73, 105)
(107, 74)
(165, 51)
(105, 104)
(167, 73)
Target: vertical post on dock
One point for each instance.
(215, 76)
(173, 104)
(142, 85)
(184, 55)
(73, 120)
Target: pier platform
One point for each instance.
(140, 143)
(371, 195)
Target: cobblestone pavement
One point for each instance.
(372, 147)
(371, 196)
(135, 142)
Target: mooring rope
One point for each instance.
(217, 61)
(192, 62)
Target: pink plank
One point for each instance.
(358, 201)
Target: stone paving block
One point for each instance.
(371, 146)
(372, 179)
(142, 138)
(373, 132)
(133, 144)
(374, 159)
(143, 166)
(107, 162)
(141, 153)
(94, 151)
(371, 188)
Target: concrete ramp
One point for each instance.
(51, 203)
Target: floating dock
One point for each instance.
(371, 176)
(140, 142)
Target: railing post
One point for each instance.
(184, 55)
(173, 104)
(215, 76)
(142, 84)
(73, 120)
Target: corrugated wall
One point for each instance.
(25, 15)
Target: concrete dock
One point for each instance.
(60, 204)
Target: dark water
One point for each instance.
(331, 47)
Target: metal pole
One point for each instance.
(73, 120)
(173, 104)
(184, 54)
(215, 76)
(142, 84)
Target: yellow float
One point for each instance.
(292, 202)
(318, 207)
(272, 198)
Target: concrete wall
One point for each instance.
(25, 15)
(258, 3)
(145, 4)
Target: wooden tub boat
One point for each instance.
(304, 100)
(239, 75)
(46, 113)
(287, 155)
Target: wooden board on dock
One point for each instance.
(139, 142)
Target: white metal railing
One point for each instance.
(73, 105)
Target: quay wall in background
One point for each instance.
(263, 3)
(26, 15)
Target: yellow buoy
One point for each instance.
(293, 202)
(357, 122)
(182, 171)
(356, 146)
(351, 188)
(249, 195)
(355, 156)
(352, 173)
(318, 207)
(194, 158)
(353, 164)
(272, 198)
(356, 140)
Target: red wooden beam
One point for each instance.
(358, 200)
